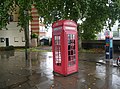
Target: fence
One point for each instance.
(100, 44)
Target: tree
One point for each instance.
(95, 13)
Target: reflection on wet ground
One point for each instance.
(36, 72)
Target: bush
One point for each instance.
(34, 35)
(8, 48)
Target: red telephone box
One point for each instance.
(65, 47)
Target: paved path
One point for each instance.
(37, 72)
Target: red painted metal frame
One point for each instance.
(62, 28)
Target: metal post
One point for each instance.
(108, 37)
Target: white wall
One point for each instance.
(14, 34)
(49, 33)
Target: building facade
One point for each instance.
(14, 36)
(36, 25)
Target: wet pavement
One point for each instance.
(37, 72)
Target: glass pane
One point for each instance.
(57, 51)
(71, 50)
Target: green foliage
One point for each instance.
(96, 13)
(24, 8)
(34, 35)
(6, 7)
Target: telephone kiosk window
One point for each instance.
(57, 51)
(71, 50)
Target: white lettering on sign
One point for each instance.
(58, 28)
(70, 23)
(70, 28)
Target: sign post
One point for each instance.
(108, 45)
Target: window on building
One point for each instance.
(23, 39)
(115, 33)
(42, 29)
(16, 39)
(2, 39)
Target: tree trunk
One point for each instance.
(26, 32)
(26, 29)
(79, 38)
